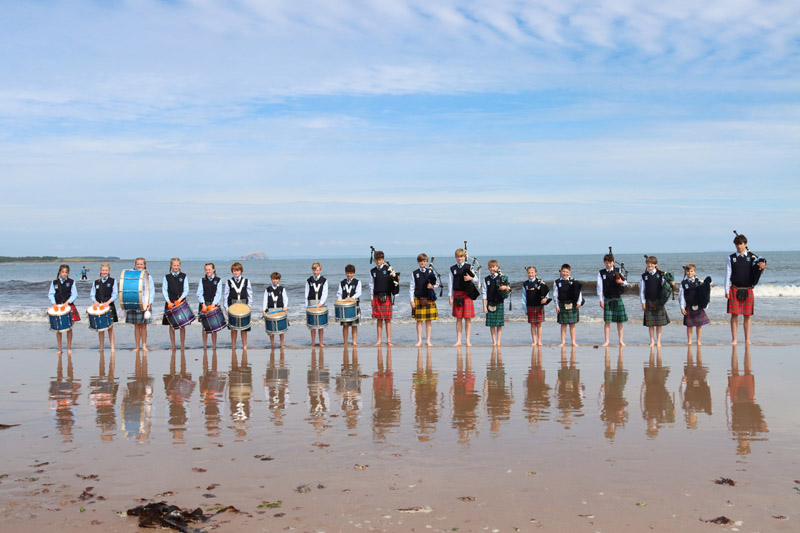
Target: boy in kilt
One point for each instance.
(350, 290)
(693, 310)
(609, 292)
(742, 271)
(463, 308)
(655, 315)
(380, 288)
(423, 299)
(569, 297)
(493, 305)
(534, 298)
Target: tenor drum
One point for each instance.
(180, 315)
(134, 290)
(213, 320)
(276, 322)
(345, 311)
(239, 317)
(100, 318)
(317, 317)
(60, 317)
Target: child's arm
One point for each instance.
(339, 291)
(357, 294)
(217, 296)
(682, 300)
(51, 294)
(524, 298)
(114, 292)
(265, 303)
(285, 299)
(164, 289)
(92, 295)
(324, 295)
(728, 272)
(411, 285)
(185, 292)
(600, 291)
(201, 295)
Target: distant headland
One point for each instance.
(254, 256)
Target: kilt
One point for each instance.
(695, 318)
(113, 310)
(463, 311)
(74, 313)
(741, 307)
(382, 310)
(496, 318)
(427, 312)
(614, 310)
(137, 317)
(655, 318)
(536, 314)
(568, 316)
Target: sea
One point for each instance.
(24, 287)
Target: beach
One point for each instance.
(401, 438)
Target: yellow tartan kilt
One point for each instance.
(422, 313)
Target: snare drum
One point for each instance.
(345, 311)
(99, 318)
(317, 317)
(239, 317)
(60, 318)
(213, 321)
(134, 290)
(276, 322)
(180, 315)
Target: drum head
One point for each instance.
(239, 309)
(97, 312)
(58, 312)
(280, 315)
(317, 310)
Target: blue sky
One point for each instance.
(315, 129)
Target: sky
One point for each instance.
(318, 128)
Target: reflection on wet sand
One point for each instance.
(318, 378)
(212, 391)
(385, 398)
(426, 402)
(103, 397)
(64, 394)
(499, 397)
(614, 408)
(537, 392)
(658, 404)
(747, 422)
(276, 386)
(178, 388)
(348, 388)
(569, 389)
(695, 390)
(464, 398)
(137, 402)
(240, 391)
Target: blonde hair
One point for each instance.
(175, 259)
(316, 264)
(461, 252)
(107, 265)
(493, 262)
(142, 259)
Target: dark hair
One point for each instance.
(608, 258)
(378, 255)
(350, 268)
(62, 267)
(275, 275)
(237, 266)
(422, 257)
(566, 265)
(740, 239)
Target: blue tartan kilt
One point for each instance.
(496, 318)
(694, 319)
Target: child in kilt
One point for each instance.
(534, 298)
(741, 275)
(350, 290)
(380, 288)
(423, 299)
(694, 315)
(609, 293)
(569, 297)
(64, 292)
(493, 305)
(140, 318)
(463, 308)
(655, 315)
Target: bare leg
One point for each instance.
(572, 335)
(344, 334)
(619, 332)
(172, 337)
(468, 332)
(607, 332)
(746, 329)
(658, 336)
(734, 328)
(563, 334)
(689, 335)
(102, 336)
(699, 335)
(533, 334)
(313, 337)
(58, 340)
(183, 339)
(380, 332)
(321, 334)
(499, 335)
(281, 340)
(652, 330)
(272, 341)
(419, 333)
(428, 330)
(111, 338)
(459, 328)
(539, 333)
(234, 335)
(69, 342)
(355, 335)
(388, 333)
(244, 340)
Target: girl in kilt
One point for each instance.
(64, 292)
(423, 299)
(493, 303)
(104, 292)
(534, 298)
(141, 317)
(569, 298)
(694, 314)
(463, 308)
(609, 293)
(380, 288)
(655, 315)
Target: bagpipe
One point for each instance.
(472, 291)
(540, 290)
(394, 277)
(504, 281)
(620, 272)
(435, 279)
(668, 288)
(756, 270)
(698, 296)
(574, 292)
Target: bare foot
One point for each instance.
(533, 344)
(429, 343)
(658, 344)
(144, 348)
(457, 343)
(604, 344)
(540, 343)
(622, 343)
(355, 343)
(377, 343)
(69, 352)
(469, 343)
(321, 345)
(419, 343)
(748, 342)
(699, 343)
(562, 343)
(733, 342)
(58, 352)
(389, 343)
(652, 343)
(575, 343)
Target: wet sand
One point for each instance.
(471, 439)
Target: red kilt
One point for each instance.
(382, 310)
(463, 311)
(535, 314)
(74, 313)
(741, 307)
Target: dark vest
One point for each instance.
(492, 295)
(315, 294)
(175, 285)
(275, 297)
(458, 273)
(210, 289)
(103, 290)
(63, 290)
(611, 288)
(652, 286)
(420, 278)
(380, 279)
(563, 289)
(690, 292)
(742, 270)
(348, 292)
(233, 295)
(533, 292)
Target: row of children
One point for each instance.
(742, 272)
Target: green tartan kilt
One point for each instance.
(496, 318)
(423, 313)
(657, 317)
(614, 310)
(568, 316)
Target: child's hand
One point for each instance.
(644, 307)
(602, 305)
(683, 311)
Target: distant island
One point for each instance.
(254, 256)
(53, 259)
